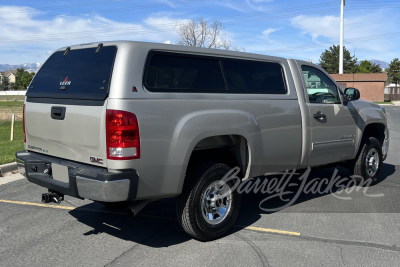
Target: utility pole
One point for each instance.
(343, 2)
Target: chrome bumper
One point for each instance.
(107, 191)
(82, 180)
(385, 148)
(21, 167)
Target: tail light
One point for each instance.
(123, 141)
(23, 123)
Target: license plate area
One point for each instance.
(60, 173)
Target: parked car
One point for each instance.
(134, 122)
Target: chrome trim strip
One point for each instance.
(332, 144)
(107, 191)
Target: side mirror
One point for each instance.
(351, 94)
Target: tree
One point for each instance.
(5, 84)
(329, 60)
(368, 67)
(200, 33)
(23, 79)
(394, 71)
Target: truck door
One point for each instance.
(333, 127)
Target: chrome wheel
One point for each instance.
(216, 202)
(372, 162)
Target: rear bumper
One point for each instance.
(84, 181)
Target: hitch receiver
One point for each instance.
(52, 196)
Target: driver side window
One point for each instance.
(320, 88)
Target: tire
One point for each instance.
(191, 205)
(370, 149)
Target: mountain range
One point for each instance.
(31, 67)
(381, 63)
(34, 67)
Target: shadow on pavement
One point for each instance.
(156, 224)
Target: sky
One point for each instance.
(31, 30)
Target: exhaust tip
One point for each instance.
(130, 212)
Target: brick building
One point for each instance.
(371, 85)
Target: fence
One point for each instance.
(392, 97)
(12, 95)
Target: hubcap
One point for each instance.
(372, 162)
(216, 202)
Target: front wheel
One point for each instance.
(368, 164)
(207, 208)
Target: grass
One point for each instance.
(388, 103)
(11, 98)
(7, 147)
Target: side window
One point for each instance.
(244, 76)
(176, 72)
(320, 88)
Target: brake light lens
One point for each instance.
(123, 141)
(23, 123)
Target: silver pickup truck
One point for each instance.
(134, 122)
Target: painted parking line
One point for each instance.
(266, 230)
(256, 229)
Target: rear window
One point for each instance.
(172, 72)
(80, 74)
(179, 73)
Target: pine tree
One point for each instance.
(368, 67)
(394, 71)
(5, 84)
(329, 60)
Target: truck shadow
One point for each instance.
(156, 224)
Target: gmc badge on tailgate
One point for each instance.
(96, 160)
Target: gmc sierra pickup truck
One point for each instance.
(134, 122)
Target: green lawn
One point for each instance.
(388, 103)
(8, 148)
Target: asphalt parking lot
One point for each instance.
(323, 229)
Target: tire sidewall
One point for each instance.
(370, 144)
(220, 228)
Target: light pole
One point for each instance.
(343, 2)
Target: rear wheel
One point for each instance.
(206, 209)
(368, 164)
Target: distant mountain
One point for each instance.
(381, 63)
(31, 67)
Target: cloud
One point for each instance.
(257, 4)
(265, 34)
(327, 29)
(35, 37)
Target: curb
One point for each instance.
(9, 167)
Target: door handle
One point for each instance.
(319, 115)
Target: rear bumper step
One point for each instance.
(84, 181)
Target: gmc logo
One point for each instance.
(96, 160)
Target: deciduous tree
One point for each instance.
(201, 33)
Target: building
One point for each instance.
(392, 92)
(371, 85)
(11, 74)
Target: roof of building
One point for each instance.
(8, 72)
(360, 77)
